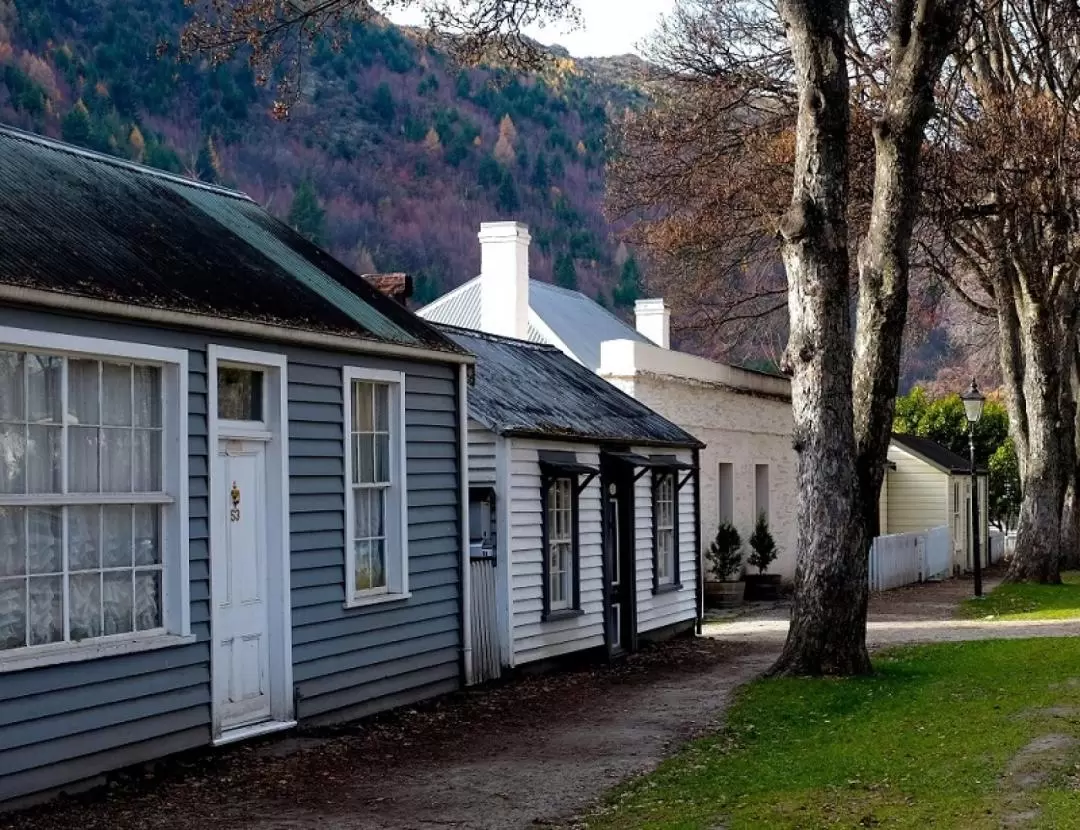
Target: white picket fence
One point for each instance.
(1001, 545)
(486, 663)
(906, 558)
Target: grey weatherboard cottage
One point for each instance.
(231, 476)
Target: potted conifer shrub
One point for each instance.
(723, 589)
(763, 552)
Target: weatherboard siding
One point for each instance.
(665, 609)
(533, 638)
(351, 662)
(69, 723)
(918, 494)
(482, 461)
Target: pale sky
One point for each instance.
(612, 27)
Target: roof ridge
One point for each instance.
(497, 338)
(113, 161)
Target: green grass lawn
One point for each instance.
(926, 742)
(1029, 602)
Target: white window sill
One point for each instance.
(55, 654)
(376, 599)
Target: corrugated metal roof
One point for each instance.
(85, 224)
(524, 388)
(580, 323)
(937, 454)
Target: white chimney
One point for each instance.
(504, 279)
(653, 319)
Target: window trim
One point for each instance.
(559, 467)
(673, 582)
(175, 530)
(397, 562)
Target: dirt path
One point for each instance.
(529, 753)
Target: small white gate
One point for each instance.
(485, 632)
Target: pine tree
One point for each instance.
(628, 291)
(306, 215)
(383, 103)
(566, 272)
(504, 147)
(432, 142)
(75, 127)
(539, 178)
(508, 196)
(489, 174)
(205, 168)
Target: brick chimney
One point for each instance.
(398, 287)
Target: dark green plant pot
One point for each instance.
(763, 587)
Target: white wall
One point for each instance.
(664, 609)
(534, 639)
(738, 428)
(918, 494)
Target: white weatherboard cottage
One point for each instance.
(743, 417)
(584, 510)
(927, 485)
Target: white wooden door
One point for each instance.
(241, 660)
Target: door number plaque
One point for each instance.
(234, 513)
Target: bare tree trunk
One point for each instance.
(828, 622)
(1049, 419)
(843, 413)
(1070, 514)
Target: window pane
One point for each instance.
(85, 605)
(43, 459)
(46, 610)
(363, 580)
(363, 394)
(44, 532)
(147, 460)
(378, 564)
(147, 534)
(382, 408)
(382, 458)
(116, 536)
(116, 394)
(119, 603)
(147, 396)
(84, 538)
(12, 541)
(12, 613)
(12, 387)
(116, 460)
(83, 391)
(147, 600)
(240, 394)
(370, 513)
(12, 459)
(366, 450)
(83, 448)
(43, 375)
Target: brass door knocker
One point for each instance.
(234, 513)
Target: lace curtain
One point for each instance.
(112, 434)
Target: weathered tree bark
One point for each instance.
(1070, 514)
(844, 411)
(828, 623)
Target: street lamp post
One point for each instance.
(973, 408)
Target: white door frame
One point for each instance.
(282, 712)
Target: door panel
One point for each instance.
(619, 560)
(241, 660)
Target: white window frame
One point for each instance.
(665, 560)
(176, 587)
(565, 575)
(762, 492)
(397, 507)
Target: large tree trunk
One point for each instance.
(843, 414)
(1070, 514)
(828, 622)
(1046, 428)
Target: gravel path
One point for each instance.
(532, 752)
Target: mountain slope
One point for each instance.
(392, 159)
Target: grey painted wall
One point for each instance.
(63, 724)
